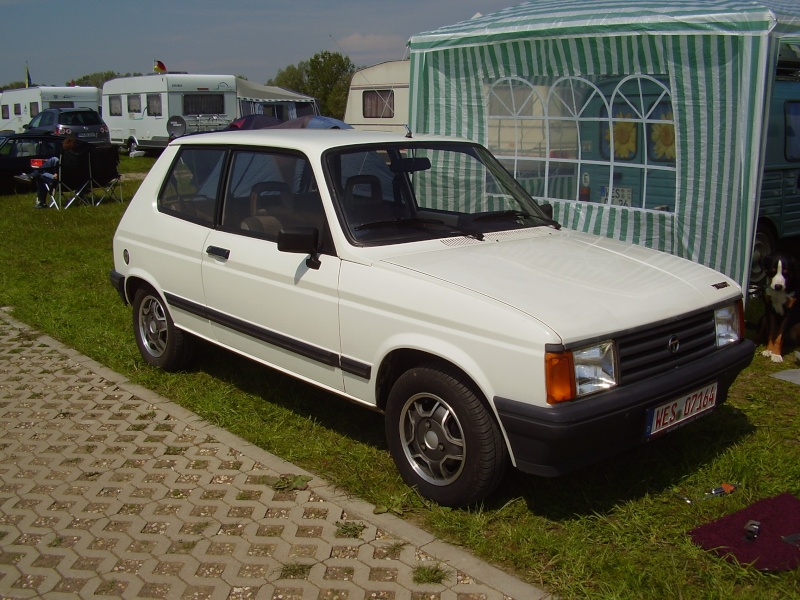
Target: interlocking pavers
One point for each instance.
(109, 490)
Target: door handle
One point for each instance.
(223, 253)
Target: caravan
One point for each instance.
(18, 107)
(378, 97)
(148, 111)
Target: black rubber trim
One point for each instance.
(273, 338)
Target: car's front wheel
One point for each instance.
(161, 343)
(443, 438)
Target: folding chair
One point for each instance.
(106, 180)
(74, 178)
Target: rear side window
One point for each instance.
(191, 190)
(793, 130)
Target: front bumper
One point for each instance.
(553, 441)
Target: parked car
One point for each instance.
(17, 150)
(417, 277)
(82, 123)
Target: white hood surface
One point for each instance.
(576, 284)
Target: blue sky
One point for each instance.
(65, 39)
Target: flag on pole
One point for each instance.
(28, 82)
(159, 67)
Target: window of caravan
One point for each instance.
(115, 106)
(18, 109)
(793, 130)
(5, 112)
(134, 103)
(609, 141)
(34, 108)
(154, 105)
(61, 104)
(378, 104)
(203, 104)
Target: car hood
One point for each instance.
(579, 285)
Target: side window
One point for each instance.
(793, 130)
(191, 190)
(115, 106)
(378, 104)
(18, 109)
(154, 105)
(134, 103)
(268, 191)
(37, 120)
(34, 108)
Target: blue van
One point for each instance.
(779, 211)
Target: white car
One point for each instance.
(416, 276)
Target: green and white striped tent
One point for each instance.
(713, 61)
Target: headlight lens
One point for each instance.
(583, 371)
(729, 322)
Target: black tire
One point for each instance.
(443, 438)
(161, 343)
(764, 245)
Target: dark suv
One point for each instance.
(83, 123)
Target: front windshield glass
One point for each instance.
(394, 193)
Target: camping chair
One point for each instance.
(74, 180)
(106, 180)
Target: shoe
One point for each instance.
(23, 178)
(40, 206)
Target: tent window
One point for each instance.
(571, 138)
(378, 104)
(115, 106)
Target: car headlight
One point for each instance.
(579, 372)
(729, 321)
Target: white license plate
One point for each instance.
(87, 135)
(681, 410)
(621, 196)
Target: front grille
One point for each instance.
(647, 353)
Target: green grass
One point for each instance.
(612, 531)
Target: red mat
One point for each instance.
(779, 517)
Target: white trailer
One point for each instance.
(18, 107)
(378, 97)
(147, 111)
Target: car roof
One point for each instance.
(306, 140)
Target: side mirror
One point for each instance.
(301, 240)
(547, 209)
(26, 126)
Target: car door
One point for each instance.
(274, 306)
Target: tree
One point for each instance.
(325, 76)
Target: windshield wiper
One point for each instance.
(515, 214)
(418, 222)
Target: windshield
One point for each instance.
(393, 193)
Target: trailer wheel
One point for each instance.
(764, 245)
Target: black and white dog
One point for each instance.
(780, 324)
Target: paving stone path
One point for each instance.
(109, 490)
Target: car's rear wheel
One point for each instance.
(442, 437)
(161, 343)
